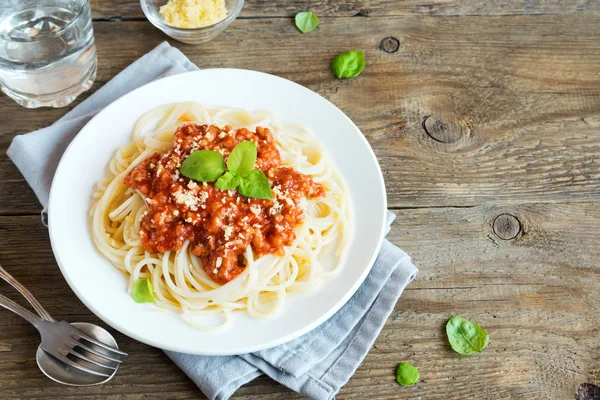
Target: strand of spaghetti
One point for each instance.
(192, 320)
(199, 273)
(191, 279)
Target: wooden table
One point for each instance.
(485, 117)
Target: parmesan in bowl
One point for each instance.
(193, 13)
(192, 21)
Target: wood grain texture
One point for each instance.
(511, 93)
(537, 295)
(525, 90)
(126, 9)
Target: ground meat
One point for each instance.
(219, 224)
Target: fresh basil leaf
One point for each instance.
(255, 185)
(228, 181)
(466, 337)
(307, 21)
(407, 374)
(142, 291)
(203, 166)
(348, 64)
(242, 158)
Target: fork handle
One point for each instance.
(26, 293)
(17, 309)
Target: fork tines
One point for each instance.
(77, 335)
(79, 366)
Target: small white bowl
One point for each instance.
(190, 35)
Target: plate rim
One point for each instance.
(174, 347)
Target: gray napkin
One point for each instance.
(317, 364)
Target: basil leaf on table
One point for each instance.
(307, 21)
(242, 158)
(203, 166)
(407, 374)
(348, 64)
(466, 337)
(228, 181)
(255, 185)
(142, 291)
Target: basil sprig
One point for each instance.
(466, 337)
(142, 291)
(306, 21)
(348, 64)
(209, 166)
(255, 185)
(203, 166)
(242, 158)
(407, 374)
(228, 181)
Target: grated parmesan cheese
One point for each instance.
(277, 208)
(255, 209)
(186, 198)
(228, 231)
(191, 200)
(277, 191)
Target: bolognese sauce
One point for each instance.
(219, 224)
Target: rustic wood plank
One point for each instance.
(108, 9)
(5, 347)
(538, 295)
(520, 94)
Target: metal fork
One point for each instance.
(62, 340)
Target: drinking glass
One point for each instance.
(47, 52)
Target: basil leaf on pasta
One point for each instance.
(242, 158)
(203, 166)
(255, 185)
(348, 64)
(306, 21)
(142, 291)
(466, 337)
(228, 181)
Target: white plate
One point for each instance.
(103, 289)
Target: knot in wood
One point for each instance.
(447, 130)
(362, 13)
(506, 226)
(389, 44)
(587, 391)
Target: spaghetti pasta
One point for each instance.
(179, 280)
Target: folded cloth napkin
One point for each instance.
(317, 364)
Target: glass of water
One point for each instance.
(47, 52)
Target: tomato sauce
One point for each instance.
(219, 224)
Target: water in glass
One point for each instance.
(47, 52)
